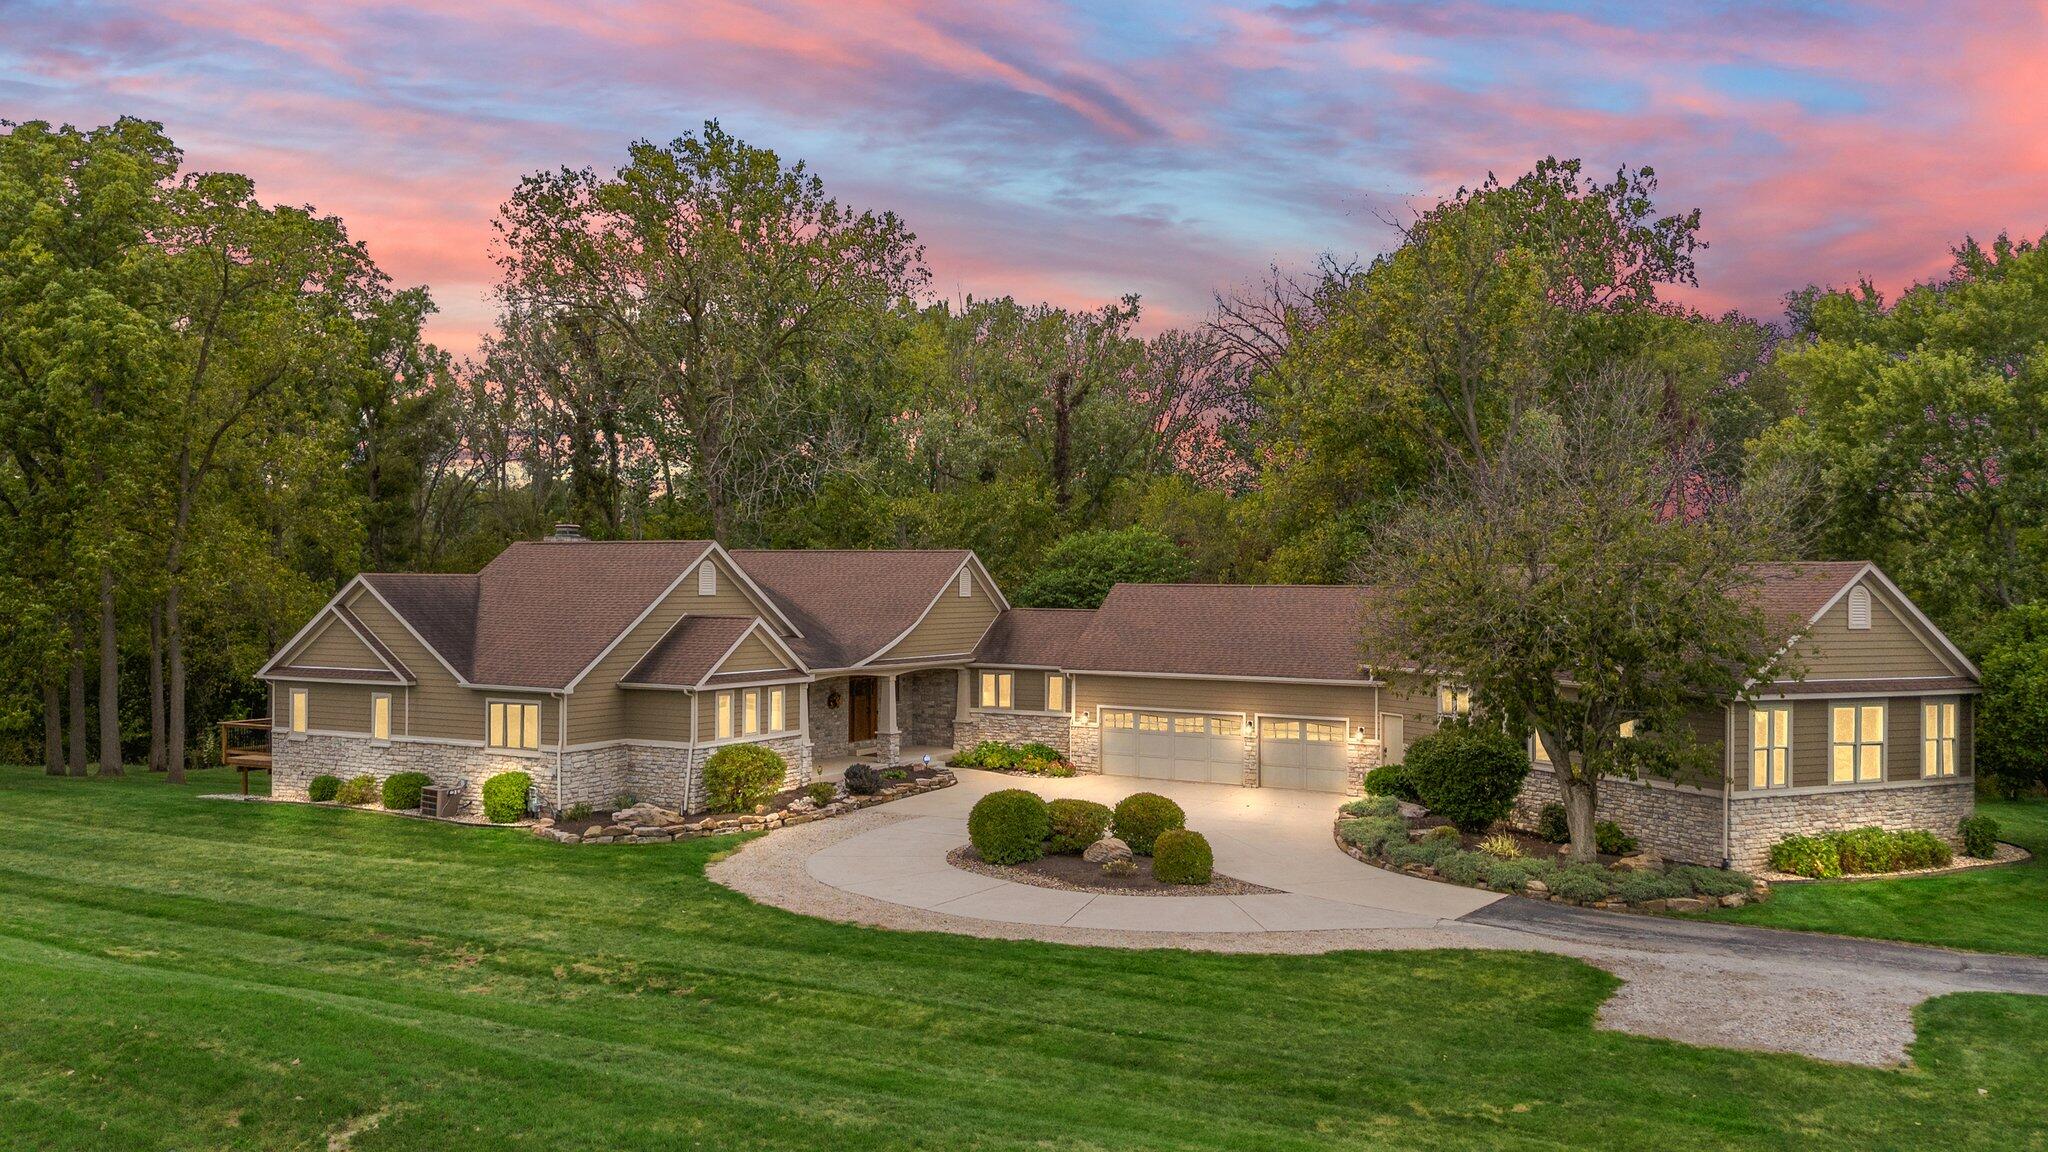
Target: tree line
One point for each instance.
(214, 410)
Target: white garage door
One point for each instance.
(1172, 746)
(1305, 754)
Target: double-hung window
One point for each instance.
(750, 712)
(1858, 731)
(1452, 700)
(778, 709)
(1938, 738)
(1770, 746)
(722, 713)
(513, 725)
(998, 689)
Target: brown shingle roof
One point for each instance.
(850, 603)
(1796, 590)
(687, 652)
(441, 608)
(1040, 637)
(1294, 631)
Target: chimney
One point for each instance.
(565, 533)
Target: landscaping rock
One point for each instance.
(1734, 900)
(1105, 850)
(640, 814)
(1410, 811)
(1536, 888)
(1688, 904)
(1641, 862)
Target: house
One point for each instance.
(619, 667)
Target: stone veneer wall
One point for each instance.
(1677, 823)
(1017, 728)
(925, 703)
(674, 777)
(1084, 748)
(1758, 820)
(828, 725)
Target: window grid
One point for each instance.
(1938, 738)
(1858, 731)
(998, 689)
(1770, 747)
(513, 725)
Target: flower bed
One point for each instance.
(1015, 759)
(1401, 837)
(648, 824)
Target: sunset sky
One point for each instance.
(1075, 152)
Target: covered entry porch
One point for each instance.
(884, 716)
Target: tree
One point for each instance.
(1079, 571)
(2012, 718)
(1586, 574)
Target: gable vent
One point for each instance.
(707, 579)
(1859, 609)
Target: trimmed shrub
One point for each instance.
(1140, 818)
(1636, 887)
(1581, 882)
(357, 790)
(1980, 837)
(821, 792)
(1427, 850)
(740, 777)
(1469, 776)
(1514, 875)
(1859, 851)
(1711, 881)
(1075, 825)
(1611, 840)
(1038, 751)
(1040, 766)
(1373, 834)
(1371, 806)
(1920, 848)
(1444, 832)
(1182, 857)
(862, 780)
(990, 754)
(1813, 856)
(1462, 867)
(1392, 780)
(402, 789)
(1552, 824)
(323, 787)
(505, 796)
(1009, 826)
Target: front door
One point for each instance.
(860, 709)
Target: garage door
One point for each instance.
(1172, 746)
(1302, 754)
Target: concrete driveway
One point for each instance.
(1269, 837)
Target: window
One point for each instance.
(1122, 720)
(1055, 692)
(301, 706)
(722, 727)
(998, 689)
(707, 579)
(778, 709)
(380, 716)
(966, 582)
(1320, 732)
(1938, 738)
(1452, 700)
(514, 725)
(1280, 729)
(750, 711)
(1148, 722)
(1858, 743)
(1627, 731)
(1191, 725)
(1770, 746)
(1859, 608)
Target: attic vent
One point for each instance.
(1859, 609)
(966, 582)
(707, 579)
(566, 533)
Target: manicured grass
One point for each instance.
(178, 973)
(1993, 910)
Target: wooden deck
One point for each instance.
(250, 756)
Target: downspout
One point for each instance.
(561, 738)
(1727, 784)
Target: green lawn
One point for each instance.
(1994, 910)
(178, 973)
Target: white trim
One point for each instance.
(539, 709)
(301, 633)
(1958, 780)
(291, 716)
(796, 662)
(1149, 708)
(760, 595)
(1869, 569)
(1018, 667)
(711, 549)
(414, 632)
(288, 679)
(1343, 722)
(1865, 695)
(995, 594)
(1246, 679)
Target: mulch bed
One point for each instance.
(1073, 874)
(1530, 843)
(2007, 854)
(780, 802)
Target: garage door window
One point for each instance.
(1320, 732)
(1152, 723)
(1120, 720)
(1280, 729)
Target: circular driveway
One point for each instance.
(1273, 838)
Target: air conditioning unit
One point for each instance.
(436, 801)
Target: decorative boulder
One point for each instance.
(1641, 862)
(1409, 811)
(1105, 850)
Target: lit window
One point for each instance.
(1122, 720)
(300, 707)
(1452, 700)
(1149, 722)
(707, 579)
(1938, 738)
(1196, 725)
(1858, 743)
(1055, 693)
(1770, 746)
(1319, 732)
(750, 712)
(514, 725)
(380, 716)
(723, 728)
(1280, 729)
(1627, 730)
(778, 710)
(998, 689)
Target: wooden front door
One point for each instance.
(860, 709)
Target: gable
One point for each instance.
(754, 654)
(954, 624)
(332, 645)
(1894, 645)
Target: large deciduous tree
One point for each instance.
(1585, 573)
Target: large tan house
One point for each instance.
(604, 669)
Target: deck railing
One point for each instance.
(248, 757)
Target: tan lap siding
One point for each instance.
(1810, 743)
(1358, 706)
(438, 707)
(329, 707)
(707, 711)
(954, 624)
(334, 646)
(1891, 646)
(1027, 690)
(1902, 751)
(651, 715)
(754, 655)
(597, 711)
(1415, 702)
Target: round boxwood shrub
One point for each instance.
(1469, 776)
(1009, 826)
(323, 787)
(1182, 857)
(1980, 837)
(821, 792)
(738, 777)
(1392, 780)
(1813, 856)
(505, 796)
(1075, 825)
(402, 790)
(862, 780)
(1140, 818)
(357, 790)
